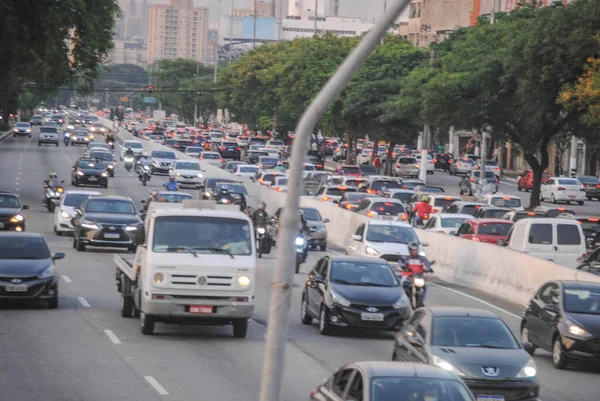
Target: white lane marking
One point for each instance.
(156, 385)
(67, 279)
(113, 337)
(83, 302)
(477, 299)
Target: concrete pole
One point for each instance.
(483, 156)
(493, 17)
(217, 44)
(424, 153)
(279, 309)
(231, 31)
(316, 14)
(573, 155)
(280, 16)
(254, 33)
(451, 140)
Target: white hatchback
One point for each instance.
(188, 173)
(559, 189)
(63, 214)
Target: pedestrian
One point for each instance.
(377, 163)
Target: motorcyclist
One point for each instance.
(144, 160)
(260, 215)
(304, 231)
(110, 137)
(153, 196)
(171, 185)
(224, 194)
(414, 264)
(51, 182)
(421, 210)
(129, 152)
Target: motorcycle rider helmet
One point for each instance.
(53, 176)
(145, 154)
(154, 193)
(224, 189)
(263, 205)
(413, 248)
(425, 198)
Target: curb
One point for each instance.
(4, 135)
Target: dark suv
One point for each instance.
(442, 161)
(230, 150)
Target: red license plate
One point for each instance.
(572, 196)
(201, 310)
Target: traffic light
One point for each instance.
(149, 88)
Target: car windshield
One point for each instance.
(49, 130)
(388, 208)
(363, 273)
(443, 202)
(268, 160)
(275, 143)
(249, 169)
(104, 156)
(230, 144)
(390, 233)
(413, 388)
(164, 155)
(75, 200)
(499, 229)
(462, 331)
(109, 206)
(563, 181)
(470, 209)
(495, 213)
(9, 201)
(311, 214)
(281, 181)
(588, 180)
(591, 225)
(135, 145)
(22, 125)
(193, 150)
(99, 146)
(403, 197)
(582, 300)
(489, 175)
(187, 166)
(210, 183)
(356, 196)
(368, 169)
(505, 201)
(232, 188)
(387, 184)
(211, 156)
(172, 197)
(351, 170)
(196, 235)
(434, 190)
(452, 222)
(309, 167)
(23, 247)
(339, 191)
(89, 164)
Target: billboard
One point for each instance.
(266, 28)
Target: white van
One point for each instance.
(196, 264)
(558, 240)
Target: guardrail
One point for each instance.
(503, 272)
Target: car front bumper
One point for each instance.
(161, 169)
(586, 351)
(87, 180)
(193, 182)
(351, 316)
(42, 289)
(510, 390)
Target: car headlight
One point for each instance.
(338, 299)
(157, 164)
(207, 194)
(28, 130)
(578, 331)
(401, 303)
(300, 241)
(17, 218)
(104, 174)
(159, 278)
(371, 251)
(16, 130)
(89, 224)
(528, 370)
(49, 272)
(131, 227)
(419, 282)
(86, 139)
(199, 175)
(437, 361)
(64, 214)
(244, 281)
(178, 174)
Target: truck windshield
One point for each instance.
(173, 234)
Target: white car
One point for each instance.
(247, 170)
(193, 151)
(307, 168)
(490, 165)
(277, 145)
(559, 189)
(212, 158)
(136, 147)
(271, 151)
(446, 223)
(63, 214)
(430, 165)
(383, 209)
(280, 184)
(48, 134)
(383, 239)
(500, 200)
(188, 173)
(403, 195)
(364, 156)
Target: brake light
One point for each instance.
(449, 162)
(473, 179)
(593, 219)
(531, 213)
(343, 188)
(404, 217)
(435, 160)
(505, 198)
(397, 165)
(325, 198)
(416, 166)
(319, 165)
(476, 239)
(426, 216)
(582, 189)
(434, 210)
(238, 174)
(278, 189)
(560, 189)
(238, 149)
(350, 206)
(221, 159)
(369, 214)
(371, 191)
(597, 185)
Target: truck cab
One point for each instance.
(195, 264)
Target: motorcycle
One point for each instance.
(52, 196)
(420, 221)
(300, 245)
(67, 138)
(111, 143)
(263, 241)
(128, 163)
(144, 174)
(414, 286)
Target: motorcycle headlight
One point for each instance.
(111, 166)
(338, 299)
(371, 251)
(528, 370)
(17, 218)
(49, 272)
(401, 303)
(131, 227)
(419, 282)
(437, 361)
(56, 194)
(64, 214)
(243, 281)
(89, 224)
(261, 230)
(207, 194)
(146, 168)
(300, 241)
(224, 201)
(422, 253)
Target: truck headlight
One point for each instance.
(244, 281)
(159, 278)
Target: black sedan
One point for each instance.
(442, 161)
(474, 344)
(11, 212)
(106, 221)
(592, 186)
(230, 150)
(87, 171)
(27, 271)
(354, 292)
(105, 158)
(208, 187)
(564, 318)
(387, 381)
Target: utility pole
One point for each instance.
(483, 156)
(217, 45)
(316, 14)
(451, 140)
(280, 13)
(282, 284)
(426, 138)
(197, 97)
(231, 31)
(254, 34)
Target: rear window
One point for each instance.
(133, 145)
(378, 185)
(540, 233)
(506, 202)
(488, 174)
(590, 226)
(210, 156)
(500, 229)
(269, 177)
(339, 191)
(431, 189)
(388, 208)
(564, 181)
(309, 167)
(248, 169)
(269, 160)
(495, 213)
(356, 196)
(353, 183)
(49, 130)
(230, 144)
(407, 160)
(588, 180)
(556, 212)
(368, 169)
(452, 222)
(443, 202)
(403, 197)
(470, 209)
(528, 215)
(567, 234)
(350, 170)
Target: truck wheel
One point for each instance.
(147, 324)
(126, 306)
(240, 328)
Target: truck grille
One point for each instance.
(202, 281)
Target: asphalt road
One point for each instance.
(84, 350)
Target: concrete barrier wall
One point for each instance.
(505, 273)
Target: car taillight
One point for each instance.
(449, 162)
(221, 148)
(473, 180)
(371, 191)
(495, 180)
(325, 198)
(434, 210)
(278, 189)
(238, 174)
(238, 149)
(597, 185)
(350, 206)
(319, 166)
(369, 214)
(435, 160)
(560, 189)
(404, 217)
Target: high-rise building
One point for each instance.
(133, 22)
(177, 30)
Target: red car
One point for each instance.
(348, 170)
(526, 180)
(485, 230)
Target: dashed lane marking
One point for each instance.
(83, 302)
(67, 279)
(156, 385)
(113, 337)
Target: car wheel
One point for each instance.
(240, 328)
(80, 246)
(541, 196)
(324, 324)
(581, 203)
(304, 316)
(589, 198)
(14, 135)
(146, 324)
(57, 144)
(518, 188)
(39, 144)
(323, 247)
(552, 198)
(525, 336)
(558, 358)
(53, 302)
(126, 306)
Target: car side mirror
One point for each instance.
(77, 210)
(551, 308)
(317, 278)
(502, 242)
(58, 255)
(25, 207)
(424, 244)
(356, 237)
(406, 284)
(528, 347)
(326, 221)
